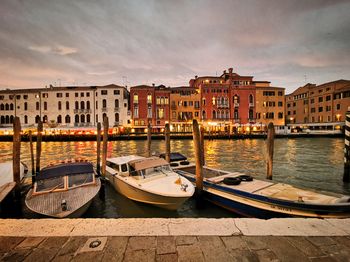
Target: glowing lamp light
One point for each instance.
(146, 130)
(133, 130)
(247, 129)
(254, 128)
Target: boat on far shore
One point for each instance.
(64, 190)
(258, 198)
(148, 180)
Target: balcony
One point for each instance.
(251, 120)
(236, 120)
(235, 104)
(116, 123)
(116, 109)
(104, 109)
(222, 106)
(76, 111)
(251, 104)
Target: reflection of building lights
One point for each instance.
(132, 130)
(337, 116)
(212, 123)
(254, 128)
(146, 130)
(171, 127)
(337, 127)
(291, 119)
(247, 129)
(162, 130)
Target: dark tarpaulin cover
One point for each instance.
(175, 157)
(65, 169)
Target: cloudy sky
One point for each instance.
(89, 42)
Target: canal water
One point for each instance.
(315, 163)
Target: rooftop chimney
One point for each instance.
(153, 85)
(230, 70)
(195, 77)
(224, 72)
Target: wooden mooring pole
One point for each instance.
(16, 155)
(202, 145)
(149, 139)
(198, 156)
(346, 176)
(38, 147)
(270, 146)
(98, 137)
(104, 147)
(167, 142)
(32, 155)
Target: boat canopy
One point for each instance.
(174, 157)
(65, 169)
(147, 163)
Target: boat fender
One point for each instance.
(232, 181)
(344, 199)
(174, 164)
(184, 163)
(64, 205)
(245, 178)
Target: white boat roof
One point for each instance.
(6, 172)
(124, 159)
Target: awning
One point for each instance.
(147, 163)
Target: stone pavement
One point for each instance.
(174, 240)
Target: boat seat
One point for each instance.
(219, 179)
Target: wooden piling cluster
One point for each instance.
(346, 175)
(16, 158)
(198, 156)
(104, 146)
(38, 147)
(167, 142)
(98, 137)
(149, 139)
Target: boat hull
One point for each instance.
(250, 205)
(137, 194)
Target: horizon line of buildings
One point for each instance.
(229, 102)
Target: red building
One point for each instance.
(226, 100)
(149, 104)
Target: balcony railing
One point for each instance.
(251, 104)
(222, 106)
(116, 109)
(104, 109)
(237, 120)
(251, 119)
(76, 111)
(116, 123)
(235, 104)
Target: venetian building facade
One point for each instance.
(184, 107)
(65, 106)
(269, 104)
(319, 106)
(149, 105)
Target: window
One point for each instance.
(320, 99)
(149, 112)
(87, 94)
(37, 106)
(136, 112)
(25, 106)
(88, 105)
(104, 92)
(280, 93)
(25, 96)
(67, 105)
(67, 119)
(203, 101)
(82, 105)
(251, 100)
(136, 99)
(160, 113)
(116, 117)
(82, 94)
(312, 101)
(117, 92)
(59, 95)
(104, 103)
(306, 102)
(76, 94)
(59, 119)
(320, 109)
(45, 105)
(88, 119)
(280, 115)
(149, 99)
(76, 105)
(59, 105)
(213, 101)
(67, 94)
(45, 95)
(116, 102)
(328, 98)
(313, 110)
(280, 103)
(338, 106)
(26, 119)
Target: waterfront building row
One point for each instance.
(65, 107)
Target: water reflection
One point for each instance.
(309, 162)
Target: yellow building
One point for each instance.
(184, 107)
(269, 104)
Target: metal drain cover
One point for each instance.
(94, 244)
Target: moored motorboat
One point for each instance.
(64, 190)
(252, 197)
(148, 180)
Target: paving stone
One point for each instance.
(30, 242)
(16, 255)
(284, 250)
(322, 259)
(185, 240)
(213, 248)
(165, 245)
(266, 255)
(70, 248)
(140, 255)
(115, 248)
(345, 241)
(88, 256)
(8, 243)
(321, 241)
(243, 255)
(167, 258)
(189, 253)
(255, 242)
(234, 242)
(305, 246)
(138, 243)
(41, 255)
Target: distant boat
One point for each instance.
(252, 197)
(6, 178)
(148, 180)
(64, 190)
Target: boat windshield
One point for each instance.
(81, 179)
(149, 172)
(49, 184)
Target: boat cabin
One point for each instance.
(64, 177)
(139, 167)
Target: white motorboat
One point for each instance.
(148, 180)
(64, 190)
